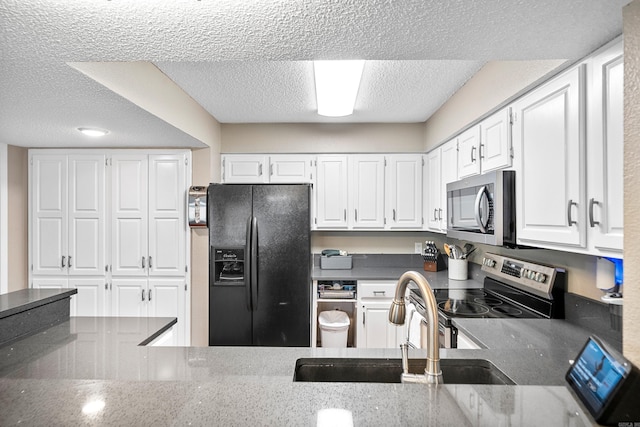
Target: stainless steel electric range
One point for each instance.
(513, 288)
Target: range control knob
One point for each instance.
(489, 262)
(541, 277)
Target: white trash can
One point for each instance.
(334, 328)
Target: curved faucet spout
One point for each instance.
(397, 313)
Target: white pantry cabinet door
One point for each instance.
(605, 146)
(291, 169)
(245, 168)
(129, 297)
(166, 298)
(129, 195)
(367, 195)
(469, 152)
(404, 191)
(86, 215)
(331, 192)
(548, 127)
(49, 250)
(495, 141)
(167, 225)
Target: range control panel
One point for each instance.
(535, 278)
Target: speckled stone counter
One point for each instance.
(92, 371)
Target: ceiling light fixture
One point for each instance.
(93, 132)
(337, 84)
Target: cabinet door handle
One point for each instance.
(569, 219)
(394, 215)
(143, 295)
(355, 211)
(149, 294)
(439, 214)
(435, 214)
(106, 286)
(271, 169)
(473, 149)
(150, 261)
(481, 151)
(143, 262)
(345, 214)
(69, 263)
(592, 202)
(363, 315)
(260, 170)
(63, 261)
(379, 293)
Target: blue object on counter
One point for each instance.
(619, 274)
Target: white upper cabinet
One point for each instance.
(67, 214)
(245, 168)
(469, 152)
(605, 139)
(404, 191)
(291, 169)
(485, 146)
(331, 192)
(441, 169)
(495, 141)
(367, 195)
(263, 168)
(548, 131)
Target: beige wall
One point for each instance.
(322, 138)
(494, 85)
(206, 169)
(18, 190)
(631, 317)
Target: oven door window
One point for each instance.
(471, 209)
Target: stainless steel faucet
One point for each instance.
(397, 314)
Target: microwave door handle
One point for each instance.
(477, 211)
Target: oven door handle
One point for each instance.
(482, 192)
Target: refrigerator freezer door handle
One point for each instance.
(247, 265)
(254, 263)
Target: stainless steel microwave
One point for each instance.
(481, 209)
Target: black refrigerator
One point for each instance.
(259, 265)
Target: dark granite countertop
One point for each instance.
(26, 299)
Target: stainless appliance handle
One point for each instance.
(254, 263)
(478, 214)
(592, 202)
(247, 265)
(569, 219)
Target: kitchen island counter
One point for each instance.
(51, 378)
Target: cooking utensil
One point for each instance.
(447, 249)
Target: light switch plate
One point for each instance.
(418, 248)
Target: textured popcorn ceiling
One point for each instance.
(248, 61)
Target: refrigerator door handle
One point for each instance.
(254, 263)
(247, 265)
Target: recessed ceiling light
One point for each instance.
(337, 84)
(94, 132)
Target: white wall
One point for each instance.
(4, 225)
(631, 317)
(495, 84)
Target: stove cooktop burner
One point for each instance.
(507, 311)
(462, 308)
(490, 301)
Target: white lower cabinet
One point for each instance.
(91, 297)
(374, 329)
(139, 297)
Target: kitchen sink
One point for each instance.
(454, 371)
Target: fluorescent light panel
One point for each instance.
(337, 84)
(93, 132)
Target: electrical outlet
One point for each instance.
(417, 248)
